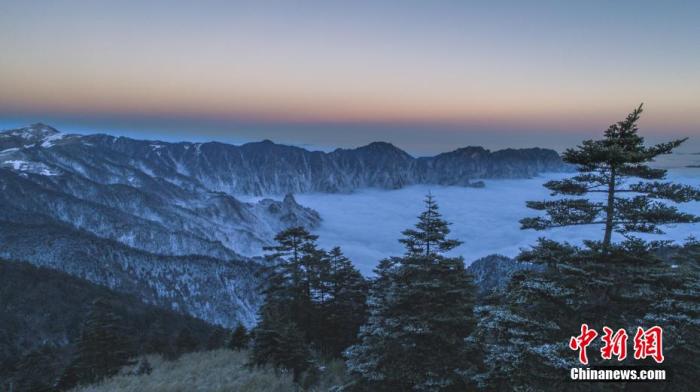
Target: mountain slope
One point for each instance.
(88, 183)
(42, 311)
(492, 273)
(264, 168)
(220, 292)
(162, 221)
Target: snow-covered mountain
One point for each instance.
(222, 292)
(88, 183)
(266, 168)
(164, 221)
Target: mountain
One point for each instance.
(266, 168)
(221, 292)
(180, 198)
(42, 312)
(166, 222)
(87, 183)
(493, 272)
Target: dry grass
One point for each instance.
(215, 371)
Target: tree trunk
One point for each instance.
(609, 212)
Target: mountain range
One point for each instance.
(167, 222)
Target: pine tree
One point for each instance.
(34, 370)
(317, 295)
(430, 234)
(217, 339)
(103, 348)
(239, 338)
(606, 167)
(677, 310)
(421, 306)
(277, 341)
(344, 307)
(185, 342)
(293, 276)
(288, 315)
(524, 332)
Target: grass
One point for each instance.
(215, 371)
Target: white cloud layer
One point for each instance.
(367, 224)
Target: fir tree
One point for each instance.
(103, 348)
(310, 292)
(677, 310)
(430, 234)
(217, 339)
(524, 334)
(344, 308)
(278, 342)
(293, 276)
(420, 317)
(288, 315)
(607, 167)
(185, 342)
(239, 338)
(525, 331)
(33, 371)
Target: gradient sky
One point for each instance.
(426, 75)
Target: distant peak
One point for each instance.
(471, 149)
(33, 133)
(41, 130)
(43, 126)
(383, 148)
(381, 145)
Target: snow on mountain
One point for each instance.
(165, 221)
(113, 195)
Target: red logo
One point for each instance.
(647, 343)
(582, 341)
(614, 344)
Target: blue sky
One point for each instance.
(428, 76)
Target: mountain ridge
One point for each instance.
(164, 221)
(267, 168)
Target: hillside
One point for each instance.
(215, 371)
(223, 292)
(42, 311)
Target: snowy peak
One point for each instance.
(266, 168)
(35, 134)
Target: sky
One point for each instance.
(428, 76)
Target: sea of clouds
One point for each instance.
(368, 223)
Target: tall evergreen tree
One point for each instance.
(429, 237)
(677, 310)
(34, 371)
(185, 342)
(288, 315)
(624, 284)
(344, 308)
(293, 277)
(239, 338)
(606, 167)
(277, 341)
(217, 339)
(317, 294)
(421, 306)
(103, 348)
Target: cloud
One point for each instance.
(367, 224)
